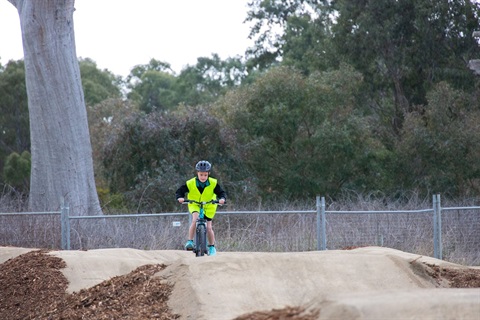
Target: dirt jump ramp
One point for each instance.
(364, 283)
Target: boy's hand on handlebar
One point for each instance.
(221, 201)
(181, 200)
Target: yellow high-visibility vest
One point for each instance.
(207, 195)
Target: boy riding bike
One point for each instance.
(202, 188)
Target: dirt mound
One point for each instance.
(34, 287)
(31, 284)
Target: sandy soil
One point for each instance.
(363, 283)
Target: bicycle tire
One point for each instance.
(201, 240)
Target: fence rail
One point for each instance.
(324, 218)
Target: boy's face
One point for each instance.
(202, 176)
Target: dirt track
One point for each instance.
(363, 283)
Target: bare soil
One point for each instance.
(33, 287)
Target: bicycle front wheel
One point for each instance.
(201, 240)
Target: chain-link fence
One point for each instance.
(450, 233)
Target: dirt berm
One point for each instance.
(364, 283)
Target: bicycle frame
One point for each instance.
(200, 248)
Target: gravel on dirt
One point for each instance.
(33, 287)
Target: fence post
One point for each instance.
(321, 233)
(439, 227)
(65, 226)
(319, 239)
(324, 231)
(435, 227)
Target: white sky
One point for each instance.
(120, 34)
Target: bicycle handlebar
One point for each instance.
(187, 201)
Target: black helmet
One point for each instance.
(203, 166)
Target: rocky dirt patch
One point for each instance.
(457, 278)
(33, 287)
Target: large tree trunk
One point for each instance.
(62, 165)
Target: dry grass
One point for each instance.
(265, 232)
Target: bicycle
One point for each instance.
(200, 244)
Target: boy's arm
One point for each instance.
(220, 192)
(180, 193)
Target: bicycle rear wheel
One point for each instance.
(201, 240)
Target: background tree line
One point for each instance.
(366, 97)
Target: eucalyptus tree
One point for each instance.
(153, 86)
(60, 143)
(156, 87)
(98, 85)
(308, 42)
(274, 25)
(403, 48)
(209, 79)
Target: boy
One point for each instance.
(202, 188)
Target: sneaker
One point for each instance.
(189, 245)
(212, 251)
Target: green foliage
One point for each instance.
(105, 120)
(14, 121)
(16, 171)
(209, 78)
(308, 42)
(98, 85)
(303, 136)
(153, 154)
(153, 87)
(272, 18)
(440, 144)
(403, 48)
(114, 203)
(105, 110)
(154, 92)
(370, 95)
(14, 118)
